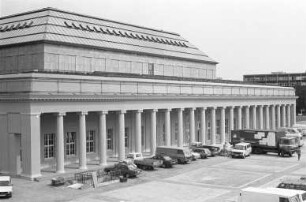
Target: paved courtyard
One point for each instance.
(216, 179)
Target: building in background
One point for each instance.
(295, 80)
(76, 89)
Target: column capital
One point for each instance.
(180, 109)
(203, 108)
(60, 114)
(83, 113)
(123, 111)
(238, 106)
(168, 109)
(213, 107)
(192, 108)
(139, 110)
(103, 112)
(154, 110)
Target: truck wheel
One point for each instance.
(282, 153)
(127, 175)
(290, 154)
(243, 156)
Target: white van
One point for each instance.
(182, 155)
(6, 187)
(252, 194)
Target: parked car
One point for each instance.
(125, 168)
(203, 152)
(182, 155)
(195, 155)
(6, 186)
(215, 150)
(301, 128)
(144, 163)
(293, 132)
(242, 150)
(168, 162)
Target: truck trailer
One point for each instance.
(264, 141)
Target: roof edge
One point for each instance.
(83, 15)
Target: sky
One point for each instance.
(244, 36)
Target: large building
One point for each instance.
(296, 80)
(78, 89)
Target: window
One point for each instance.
(110, 138)
(227, 129)
(142, 136)
(208, 130)
(218, 127)
(90, 141)
(164, 133)
(70, 143)
(175, 131)
(151, 69)
(126, 137)
(49, 141)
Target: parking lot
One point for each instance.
(215, 179)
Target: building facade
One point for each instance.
(76, 89)
(295, 80)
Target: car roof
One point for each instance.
(243, 143)
(5, 178)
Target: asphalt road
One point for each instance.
(216, 179)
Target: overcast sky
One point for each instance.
(244, 36)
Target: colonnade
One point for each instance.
(258, 117)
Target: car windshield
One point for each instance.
(4, 183)
(239, 147)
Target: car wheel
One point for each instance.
(243, 156)
(127, 175)
(282, 153)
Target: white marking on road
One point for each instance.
(254, 180)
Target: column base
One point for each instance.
(60, 171)
(102, 164)
(30, 177)
(83, 167)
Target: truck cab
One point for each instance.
(288, 145)
(242, 150)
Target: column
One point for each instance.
(153, 131)
(102, 138)
(222, 127)
(260, 117)
(180, 127)
(247, 117)
(231, 118)
(60, 147)
(138, 130)
(267, 117)
(82, 132)
(278, 116)
(293, 114)
(283, 116)
(288, 116)
(203, 125)
(30, 138)
(121, 137)
(168, 127)
(273, 117)
(239, 120)
(254, 117)
(192, 125)
(213, 125)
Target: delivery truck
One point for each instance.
(263, 141)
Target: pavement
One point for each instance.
(217, 179)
